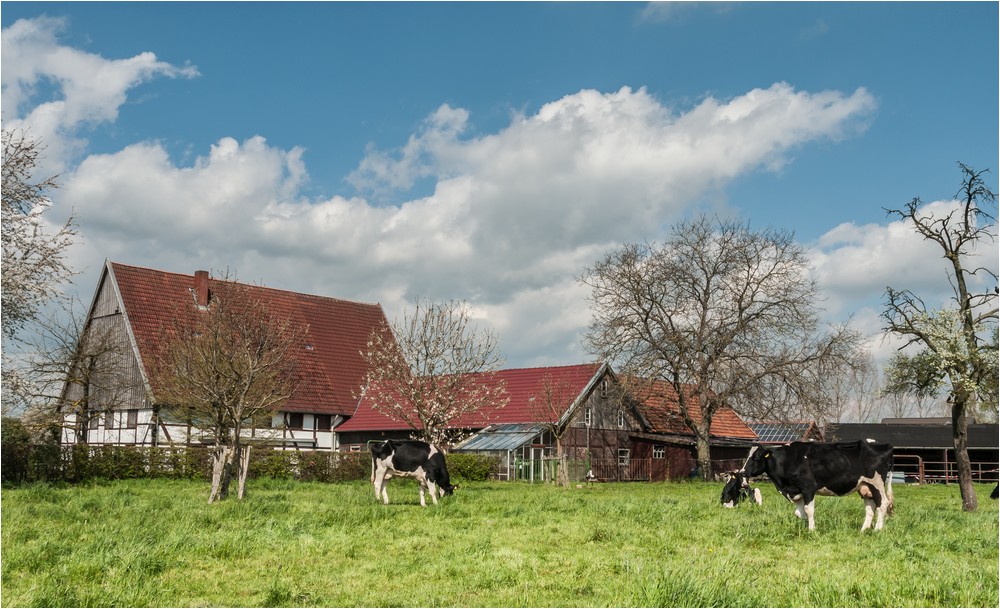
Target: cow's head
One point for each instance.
(756, 462)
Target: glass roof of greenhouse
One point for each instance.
(501, 437)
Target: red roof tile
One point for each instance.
(338, 331)
(660, 406)
(525, 387)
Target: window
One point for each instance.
(132, 419)
(604, 388)
(295, 420)
(623, 456)
(109, 419)
(322, 422)
(621, 418)
(586, 416)
(355, 448)
(659, 452)
(95, 420)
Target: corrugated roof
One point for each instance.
(501, 437)
(331, 363)
(524, 386)
(913, 436)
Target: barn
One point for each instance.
(131, 305)
(599, 427)
(924, 447)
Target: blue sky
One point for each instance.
(489, 152)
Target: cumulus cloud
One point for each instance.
(855, 263)
(91, 88)
(512, 218)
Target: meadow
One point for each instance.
(157, 543)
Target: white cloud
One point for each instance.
(854, 264)
(514, 216)
(91, 88)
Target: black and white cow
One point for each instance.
(802, 470)
(738, 489)
(410, 458)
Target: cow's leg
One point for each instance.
(423, 490)
(381, 476)
(378, 475)
(869, 513)
(433, 489)
(810, 511)
(881, 501)
(799, 508)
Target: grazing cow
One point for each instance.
(737, 489)
(802, 470)
(410, 458)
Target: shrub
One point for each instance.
(472, 468)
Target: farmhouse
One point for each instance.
(130, 308)
(599, 428)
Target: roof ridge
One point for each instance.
(250, 285)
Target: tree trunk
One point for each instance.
(704, 453)
(562, 474)
(222, 470)
(244, 468)
(960, 431)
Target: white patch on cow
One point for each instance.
(749, 456)
(810, 514)
(757, 498)
(728, 504)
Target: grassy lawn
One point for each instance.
(157, 543)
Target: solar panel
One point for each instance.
(780, 432)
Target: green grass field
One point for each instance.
(157, 543)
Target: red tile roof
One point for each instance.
(660, 406)
(337, 331)
(525, 389)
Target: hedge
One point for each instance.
(22, 462)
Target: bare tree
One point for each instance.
(74, 370)
(225, 367)
(725, 315)
(34, 257)
(433, 367)
(956, 349)
(549, 409)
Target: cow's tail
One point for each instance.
(890, 507)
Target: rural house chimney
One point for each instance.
(201, 288)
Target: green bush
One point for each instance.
(24, 462)
(471, 468)
(277, 464)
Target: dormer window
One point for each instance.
(586, 416)
(621, 418)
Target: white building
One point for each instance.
(109, 399)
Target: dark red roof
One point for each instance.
(525, 388)
(661, 408)
(338, 331)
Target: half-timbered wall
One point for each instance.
(105, 400)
